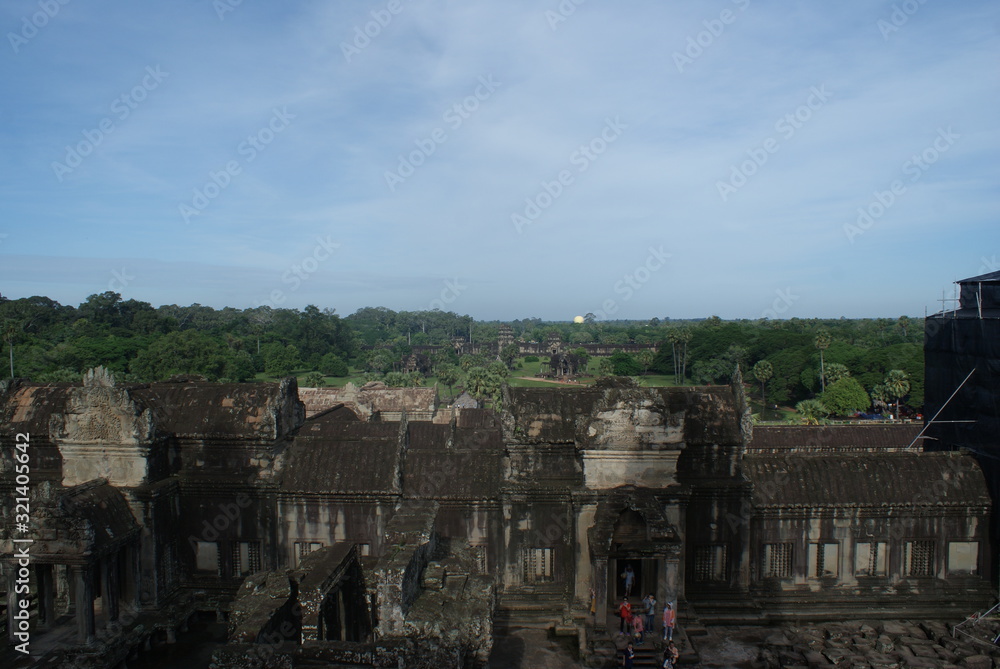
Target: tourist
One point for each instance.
(669, 620)
(638, 629)
(628, 657)
(650, 603)
(629, 577)
(625, 612)
(670, 656)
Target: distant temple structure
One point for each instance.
(372, 527)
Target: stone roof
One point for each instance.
(228, 410)
(369, 399)
(466, 401)
(341, 457)
(874, 436)
(27, 406)
(865, 479)
(116, 413)
(446, 462)
(623, 417)
(983, 278)
(76, 525)
(483, 418)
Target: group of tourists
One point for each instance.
(636, 624)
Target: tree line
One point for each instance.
(841, 363)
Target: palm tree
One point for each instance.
(673, 339)
(823, 340)
(645, 359)
(835, 372)
(897, 384)
(683, 337)
(448, 375)
(763, 371)
(811, 411)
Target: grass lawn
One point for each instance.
(529, 370)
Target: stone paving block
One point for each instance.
(835, 655)
(977, 662)
(922, 663)
(814, 657)
(893, 628)
(924, 651)
(884, 644)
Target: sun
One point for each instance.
(578, 319)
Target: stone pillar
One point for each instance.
(46, 594)
(601, 590)
(673, 588)
(135, 575)
(110, 587)
(83, 598)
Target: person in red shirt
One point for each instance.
(625, 612)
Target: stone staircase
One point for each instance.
(645, 656)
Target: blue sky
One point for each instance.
(734, 157)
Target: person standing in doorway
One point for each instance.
(629, 577)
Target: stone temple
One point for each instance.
(390, 531)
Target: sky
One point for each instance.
(738, 158)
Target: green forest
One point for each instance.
(808, 369)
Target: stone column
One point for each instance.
(83, 597)
(135, 575)
(46, 594)
(671, 572)
(109, 587)
(601, 590)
